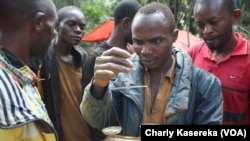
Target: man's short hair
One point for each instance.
(126, 8)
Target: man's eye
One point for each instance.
(200, 26)
(137, 42)
(156, 41)
(213, 22)
(71, 23)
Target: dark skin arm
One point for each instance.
(107, 66)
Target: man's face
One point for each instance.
(72, 28)
(152, 40)
(214, 23)
(44, 37)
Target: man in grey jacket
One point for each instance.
(176, 92)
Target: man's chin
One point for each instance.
(210, 44)
(212, 47)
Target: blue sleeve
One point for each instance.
(208, 99)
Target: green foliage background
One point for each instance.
(98, 11)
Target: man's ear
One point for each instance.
(38, 21)
(126, 22)
(175, 35)
(236, 16)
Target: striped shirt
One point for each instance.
(20, 102)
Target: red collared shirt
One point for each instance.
(234, 73)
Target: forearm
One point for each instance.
(93, 110)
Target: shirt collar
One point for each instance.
(242, 46)
(22, 74)
(12, 58)
(170, 73)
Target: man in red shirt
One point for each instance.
(224, 53)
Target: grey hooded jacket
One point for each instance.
(195, 99)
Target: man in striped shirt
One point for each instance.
(27, 29)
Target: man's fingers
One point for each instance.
(113, 61)
(118, 52)
(110, 63)
(111, 67)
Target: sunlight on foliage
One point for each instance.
(97, 12)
